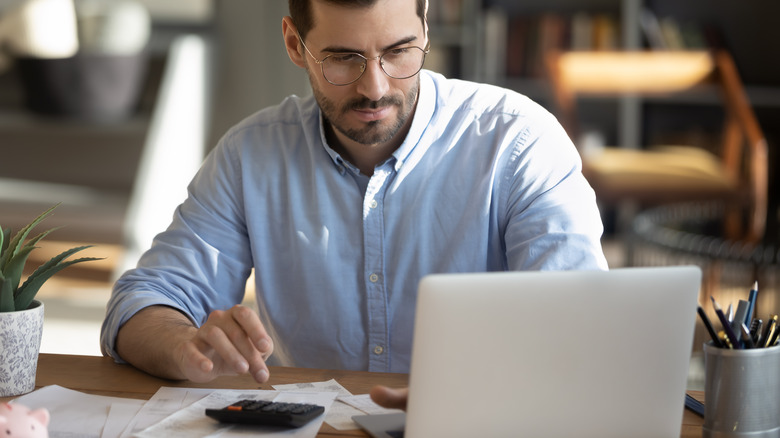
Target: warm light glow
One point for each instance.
(625, 72)
(41, 29)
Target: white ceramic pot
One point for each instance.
(20, 343)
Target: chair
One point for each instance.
(650, 175)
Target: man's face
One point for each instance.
(373, 109)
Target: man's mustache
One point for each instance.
(364, 103)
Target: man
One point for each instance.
(342, 201)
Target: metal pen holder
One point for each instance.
(742, 392)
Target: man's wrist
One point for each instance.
(153, 339)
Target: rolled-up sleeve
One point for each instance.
(199, 264)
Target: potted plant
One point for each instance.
(21, 315)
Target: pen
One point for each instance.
(752, 300)
(725, 323)
(715, 341)
(694, 405)
(775, 333)
(725, 340)
(746, 337)
(769, 331)
(755, 330)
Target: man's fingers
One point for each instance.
(254, 329)
(194, 365)
(252, 341)
(389, 397)
(239, 342)
(223, 340)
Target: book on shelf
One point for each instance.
(605, 32)
(652, 29)
(445, 11)
(581, 35)
(669, 33)
(516, 45)
(670, 30)
(530, 37)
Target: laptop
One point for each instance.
(566, 353)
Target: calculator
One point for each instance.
(262, 412)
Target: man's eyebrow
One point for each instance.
(344, 49)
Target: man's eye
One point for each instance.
(397, 52)
(346, 58)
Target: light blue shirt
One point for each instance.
(486, 180)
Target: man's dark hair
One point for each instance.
(300, 11)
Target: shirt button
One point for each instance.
(373, 203)
(373, 278)
(378, 350)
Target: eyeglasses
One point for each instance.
(346, 68)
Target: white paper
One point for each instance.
(163, 403)
(364, 403)
(118, 416)
(192, 421)
(346, 406)
(339, 415)
(79, 415)
(328, 386)
(73, 414)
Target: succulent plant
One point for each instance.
(13, 258)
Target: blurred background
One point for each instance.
(109, 106)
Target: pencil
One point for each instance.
(715, 341)
(752, 300)
(725, 323)
(730, 313)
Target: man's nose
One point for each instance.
(374, 82)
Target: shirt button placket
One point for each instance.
(373, 232)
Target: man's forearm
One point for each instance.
(149, 339)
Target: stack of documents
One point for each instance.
(180, 412)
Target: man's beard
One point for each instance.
(372, 132)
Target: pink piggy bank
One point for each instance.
(18, 421)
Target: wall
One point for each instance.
(253, 70)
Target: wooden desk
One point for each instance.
(101, 376)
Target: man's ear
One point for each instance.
(292, 43)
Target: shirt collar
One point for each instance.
(426, 103)
(338, 161)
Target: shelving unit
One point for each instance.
(747, 29)
(456, 32)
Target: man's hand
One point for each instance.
(162, 341)
(390, 398)
(230, 342)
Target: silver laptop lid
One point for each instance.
(601, 354)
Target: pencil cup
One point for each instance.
(742, 392)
